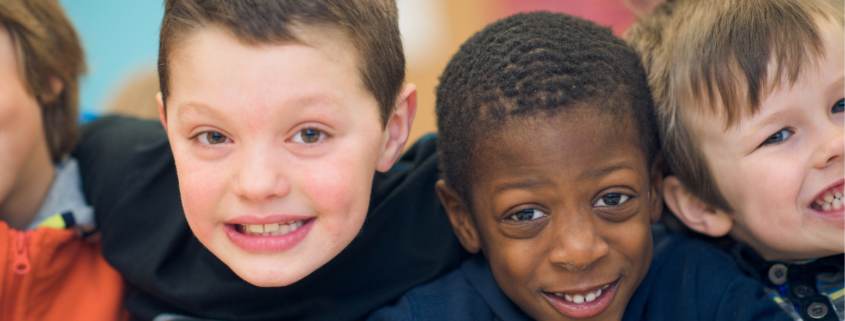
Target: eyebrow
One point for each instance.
(531, 183)
(534, 183)
(776, 117)
(186, 109)
(784, 114)
(836, 86)
(604, 171)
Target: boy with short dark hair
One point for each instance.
(750, 102)
(47, 270)
(278, 115)
(550, 158)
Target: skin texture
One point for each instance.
(27, 170)
(261, 104)
(564, 166)
(772, 185)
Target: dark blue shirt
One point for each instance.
(688, 280)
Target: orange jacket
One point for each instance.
(51, 274)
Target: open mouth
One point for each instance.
(582, 297)
(830, 200)
(269, 237)
(583, 304)
(273, 229)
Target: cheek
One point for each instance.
(20, 131)
(519, 266)
(631, 243)
(338, 188)
(762, 186)
(201, 185)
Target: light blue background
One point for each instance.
(120, 38)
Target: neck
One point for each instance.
(28, 190)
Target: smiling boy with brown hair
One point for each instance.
(750, 102)
(282, 122)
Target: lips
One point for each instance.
(261, 236)
(583, 304)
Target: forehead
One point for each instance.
(820, 76)
(575, 145)
(213, 67)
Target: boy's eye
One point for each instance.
(612, 199)
(527, 215)
(838, 106)
(308, 136)
(213, 138)
(778, 137)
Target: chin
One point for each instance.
(270, 277)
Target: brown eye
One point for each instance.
(213, 138)
(528, 215)
(612, 199)
(309, 136)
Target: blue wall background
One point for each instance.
(120, 38)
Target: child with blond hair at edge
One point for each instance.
(750, 102)
(48, 271)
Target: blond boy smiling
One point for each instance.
(750, 97)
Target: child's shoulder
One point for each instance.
(467, 293)
(690, 279)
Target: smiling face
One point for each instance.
(275, 147)
(781, 170)
(562, 208)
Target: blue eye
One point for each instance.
(778, 137)
(213, 138)
(612, 199)
(527, 215)
(838, 106)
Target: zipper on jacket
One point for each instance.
(20, 266)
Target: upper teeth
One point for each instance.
(271, 229)
(581, 298)
(832, 199)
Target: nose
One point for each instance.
(578, 245)
(831, 147)
(259, 176)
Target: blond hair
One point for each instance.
(722, 56)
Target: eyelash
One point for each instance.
(298, 135)
(771, 139)
(622, 199)
(199, 138)
(514, 218)
(838, 107)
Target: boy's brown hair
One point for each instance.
(48, 49)
(722, 57)
(371, 25)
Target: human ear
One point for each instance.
(161, 113)
(693, 212)
(655, 194)
(460, 217)
(56, 85)
(398, 127)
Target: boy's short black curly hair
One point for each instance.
(535, 64)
